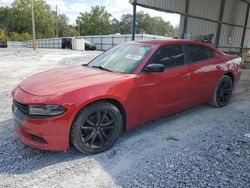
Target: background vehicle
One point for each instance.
(89, 45)
(3, 44)
(126, 86)
(67, 43)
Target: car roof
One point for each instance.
(161, 42)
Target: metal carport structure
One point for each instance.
(228, 20)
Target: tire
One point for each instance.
(223, 92)
(96, 128)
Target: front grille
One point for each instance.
(22, 107)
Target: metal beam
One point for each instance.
(134, 20)
(222, 6)
(185, 20)
(245, 24)
(193, 16)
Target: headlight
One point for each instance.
(46, 110)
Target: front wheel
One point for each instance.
(223, 92)
(97, 127)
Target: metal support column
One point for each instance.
(217, 38)
(245, 28)
(134, 20)
(185, 20)
(33, 24)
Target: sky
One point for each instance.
(116, 7)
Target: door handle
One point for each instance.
(218, 67)
(187, 76)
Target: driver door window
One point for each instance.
(170, 56)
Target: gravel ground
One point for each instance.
(201, 147)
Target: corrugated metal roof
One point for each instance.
(197, 27)
(248, 23)
(230, 10)
(241, 13)
(234, 13)
(247, 39)
(204, 8)
(168, 5)
(235, 33)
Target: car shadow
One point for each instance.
(16, 158)
(13, 153)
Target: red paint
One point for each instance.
(144, 96)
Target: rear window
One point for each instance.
(200, 53)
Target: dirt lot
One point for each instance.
(201, 147)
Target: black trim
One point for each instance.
(21, 111)
(38, 139)
(21, 107)
(18, 114)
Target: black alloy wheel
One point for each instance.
(223, 93)
(96, 128)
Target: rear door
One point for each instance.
(202, 64)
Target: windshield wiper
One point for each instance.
(102, 68)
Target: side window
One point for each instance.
(200, 53)
(169, 56)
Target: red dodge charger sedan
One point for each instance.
(130, 84)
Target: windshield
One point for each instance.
(123, 58)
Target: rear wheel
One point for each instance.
(223, 92)
(96, 128)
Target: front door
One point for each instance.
(163, 93)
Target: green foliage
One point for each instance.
(64, 29)
(43, 18)
(95, 22)
(3, 35)
(126, 23)
(20, 36)
(147, 24)
(98, 21)
(15, 22)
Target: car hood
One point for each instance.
(62, 80)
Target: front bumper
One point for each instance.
(46, 134)
(42, 134)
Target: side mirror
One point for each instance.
(154, 68)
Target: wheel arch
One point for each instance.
(231, 75)
(115, 102)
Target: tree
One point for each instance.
(20, 36)
(6, 18)
(15, 21)
(147, 24)
(95, 22)
(43, 18)
(126, 24)
(116, 26)
(3, 35)
(64, 28)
